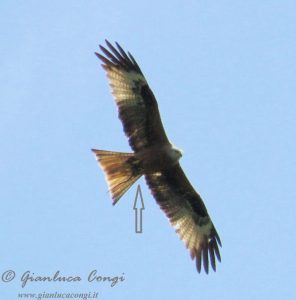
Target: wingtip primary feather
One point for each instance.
(198, 261)
(212, 258)
(205, 257)
(218, 240)
(103, 59)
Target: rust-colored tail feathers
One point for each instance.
(121, 171)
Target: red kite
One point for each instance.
(154, 157)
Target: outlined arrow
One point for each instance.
(138, 208)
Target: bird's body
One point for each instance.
(157, 158)
(154, 157)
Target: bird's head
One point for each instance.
(177, 153)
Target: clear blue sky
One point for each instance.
(224, 76)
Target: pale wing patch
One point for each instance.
(126, 86)
(191, 233)
(199, 239)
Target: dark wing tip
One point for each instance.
(117, 57)
(107, 63)
(214, 245)
(198, 261)
(207, 254)
(218, 239)
(212, 258)
(205, 258)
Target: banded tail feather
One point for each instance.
(121, 171)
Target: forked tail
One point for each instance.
(121, 171)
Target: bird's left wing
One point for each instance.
(187, 214)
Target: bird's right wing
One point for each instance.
(137, 106)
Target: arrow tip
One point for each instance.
(139, 202)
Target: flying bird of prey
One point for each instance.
(154, 157)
